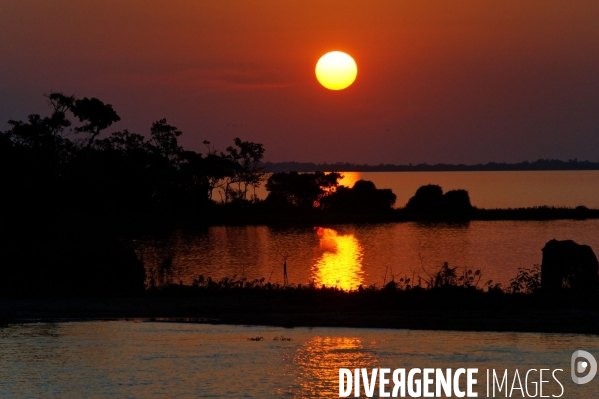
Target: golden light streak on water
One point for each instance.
(340, 264)
(319, 360)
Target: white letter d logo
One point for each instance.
(582, 365)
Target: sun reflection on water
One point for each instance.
(319, 360)
(340, 264)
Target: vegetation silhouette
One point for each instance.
(75, 193)
(123, 174)
(427, 199)
(450, 298)
(577, 279)
(72, 190)
(68, 259)
(304, 190)
(362, 197)
(129, 179)
(430, 199)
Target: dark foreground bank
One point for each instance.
(460, 310)
(449, 299)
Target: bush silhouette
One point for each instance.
(430, 199)
(362, 197)
(456, 201)
(427, 199)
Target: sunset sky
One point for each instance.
(438, 81)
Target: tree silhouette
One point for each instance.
(240, 166)
(58, 121)
(96, 116)
(247, 156)
(303, 190)
(164, 142)
(362, 197)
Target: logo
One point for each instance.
(579, 366)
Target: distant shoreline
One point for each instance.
(538, 165)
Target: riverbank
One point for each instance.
(457, 315)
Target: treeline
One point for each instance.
(72, 168)
(65, 164)
(540, 164)
(70, 191)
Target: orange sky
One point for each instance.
(452, 81)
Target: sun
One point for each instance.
(336, 70)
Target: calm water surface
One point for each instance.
(162, 360)
(350, 255)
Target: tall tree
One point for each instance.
(164, 140)
(249, 172)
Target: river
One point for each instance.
(145, 360)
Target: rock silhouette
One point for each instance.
(568, 265)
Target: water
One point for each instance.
(350, 255)
(491, 189)
(163, 360)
